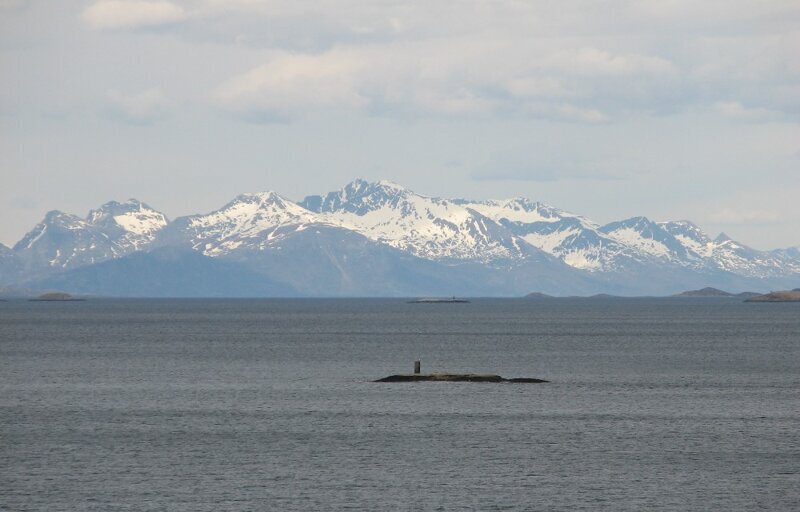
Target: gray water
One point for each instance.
(209, 405)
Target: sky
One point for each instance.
(670, 109)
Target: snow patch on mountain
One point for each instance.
(517, 209)
(633, 238)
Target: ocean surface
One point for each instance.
(213, 405)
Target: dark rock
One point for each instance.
(456, 377)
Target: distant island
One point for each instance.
(702, 292)
(539, 295)
(55, 297)
(544, 296)
(715, 292)
(451, 300)
(780, 296)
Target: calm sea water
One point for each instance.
(209, 405)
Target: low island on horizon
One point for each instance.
(707, 292)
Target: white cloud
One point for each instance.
(585, 61)
(451, 77)
(593, 62)
(290, 83)
(735, 110)
(141, 108)
(742, 217)
(116, 15)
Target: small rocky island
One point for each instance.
(54, 297)
(436, 300)
(456, 377)
(782, 296)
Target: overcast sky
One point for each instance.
(670, 109)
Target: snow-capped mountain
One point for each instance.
(131, 225)
(247, 221)
(726, 254)
(648, 238)
(730, 255)
(575, 240)
(690, 236)
(379, 237)
(63, 241)
(427, 227)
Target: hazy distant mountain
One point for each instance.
(383, 239)
(165, 272)
(10, 265)
(324, 260)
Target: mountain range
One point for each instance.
(379, 239)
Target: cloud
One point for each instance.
(735, 110)
(583, 62)
(142, 108)
(290, 83)
(451, 78)
(593, 62)
(130, 14)
(745, 217)
(608, 60)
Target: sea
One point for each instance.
(229, 405)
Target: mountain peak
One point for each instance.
(639, 220)
(132, 216)
(722, 238)
(59, 218)
(267, 200)
(391, 185)
(54, 214)
(112, 208)
(247, 217)
(687, 223)
(265, 196)
(359, 197)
